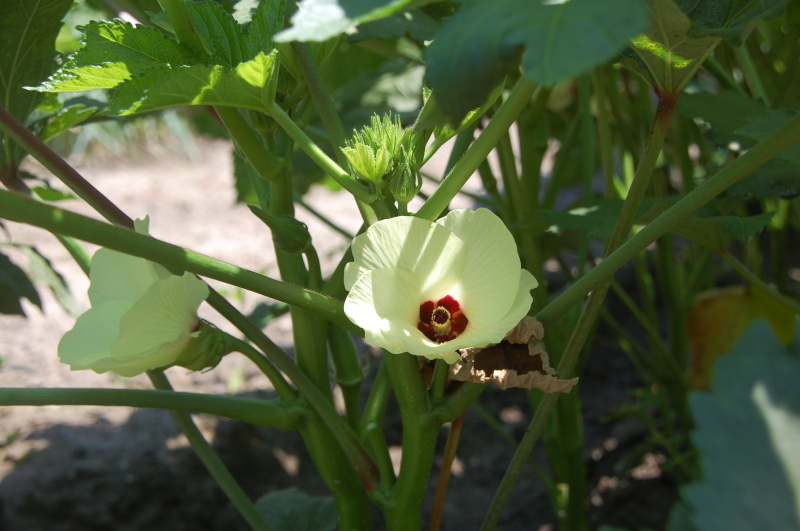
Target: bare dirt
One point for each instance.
(101, 468)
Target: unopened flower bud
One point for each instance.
(406, 183)
(370, 163)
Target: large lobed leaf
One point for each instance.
(28, 31)
(247, 85)
(748, 433)
(475, 49)
(114, 52)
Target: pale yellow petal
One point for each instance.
(117, 276)
(161, 315)
(92, 336)
(490, 278)
(429, 251)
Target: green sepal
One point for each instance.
(206, 350)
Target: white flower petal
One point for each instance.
(429, 251)
(495, 332)
(490, 278)
(91, 337)
(382, 300)
(118, 276)
(165, 311)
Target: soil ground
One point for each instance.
(99, 468)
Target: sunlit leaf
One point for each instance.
(247, 85)
(114, 52)
(720, 316)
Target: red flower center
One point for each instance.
(442, 320)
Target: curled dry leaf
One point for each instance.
(520, 360)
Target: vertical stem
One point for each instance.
(444, 473)
(586, 321)
(479, 150)
(211, 460)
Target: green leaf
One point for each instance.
(475, 49)
(245, 179)
(264, 313)
(28, 32)
(65, 118)
(319, 20)
(716, 110)
(266, 22)
(41, 271)
(776, 177)
(415, 23)
(293, 510)
(248, 85)
(727, 18)
(748, 432)
(51, 194)
(14, 285)
(219, 31)
(666, 56)
(761, 127)
(114, 52)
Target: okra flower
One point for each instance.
(433, 288)
(142, 316)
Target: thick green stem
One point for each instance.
(267, 165)
(477, 153)
(404, 510)
(591, 310)
(17, 208)
(348, 372)
(211, 460)
(273, 413)
(328, 165)
(282, 387)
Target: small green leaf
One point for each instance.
(114, 52)
(41, 271)
(727, 18)
(747, 432)
(264, 313)
(475, 49)
(28, 32)
(716, 110)
(319, 20)
(64, 119)
(247, 85)
(51, 194)
(761, 127)
(293, 510)
(245, 178)
(14, 285)
(670, 57)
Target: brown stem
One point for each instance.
(444, 473)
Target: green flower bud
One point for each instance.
(370, 163)
(406, 183)
(289, 234)
(206, 350)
